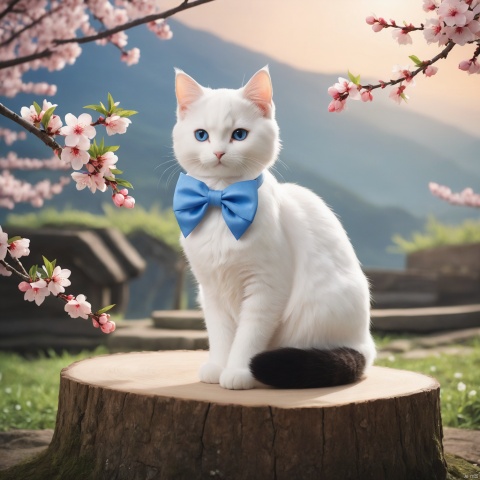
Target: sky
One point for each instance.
(333, 37)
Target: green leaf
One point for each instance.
(38, 108)
(415, 60)
(33, 272)
(112, 148)
(47, 116)
(116, 171)
(97, 108)
(111, 103)
(124, 113)
(404, 97)
(123, 182)
(354, 79)
(105, 309)
(48, 266)
(14, 239)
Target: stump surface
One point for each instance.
(146, 416)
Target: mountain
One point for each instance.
(372, 168)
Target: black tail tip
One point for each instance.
(297, 368)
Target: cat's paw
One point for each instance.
(210, 373)
(237, 379)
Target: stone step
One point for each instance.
(139, 335)
(425, 320)
(178, 319)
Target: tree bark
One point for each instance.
(146, 416)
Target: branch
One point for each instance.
(15, 272)
(30, 25)
(9, 8)
(134, 23)
(46, 139)
(107, 33)
(443, 54)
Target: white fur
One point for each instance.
(293, 278)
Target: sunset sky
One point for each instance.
(332, 37)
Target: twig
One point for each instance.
(9, 8)
(46, 139)
(14, 271)
(443, 54)
(107, 33)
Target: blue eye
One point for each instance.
(239, 134)
(201, 135)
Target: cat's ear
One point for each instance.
(187, 90)
(259, 91)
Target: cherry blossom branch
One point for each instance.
(9, 8)
(465, 198)
(102, 35)
(30, 25)
(457, 23)
(44, 137)
(39, 283)
(134, 23)
(442, 55)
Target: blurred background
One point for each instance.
(371, 163)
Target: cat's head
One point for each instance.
(225, 133)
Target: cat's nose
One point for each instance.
(219, 155)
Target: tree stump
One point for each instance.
(146, 416)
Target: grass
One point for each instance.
(29, 386)
(459, 378)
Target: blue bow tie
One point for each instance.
(238, 202)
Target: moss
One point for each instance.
(459, 468)
(53, 465)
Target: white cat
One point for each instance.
(292, 279)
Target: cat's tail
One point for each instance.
(296, 368)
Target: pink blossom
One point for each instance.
(116, 124)
(377, 24)
(24, 286)
(78, 307)
(54, 125)
(434, 32)
(403, 72)
(463, 34)
(465, 198)
(94, 181)
(19, 248)
(122, 199)
(10, 136)
(30, 115)
(76, 157)
(470, 66)
(337, 106)
(397, 94)
(430, 71)
(59, 280)
(103, 318)
(78, 131)
(105, 162)
(129, 202)
(108, 327)
(366, 95)
(345, 87)
(4, 272)
(402, 36)
(95, 323)
(3, 243)
(429, 5)
(452, 12)
(118, 199)
(37, 292)
(131, 57)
